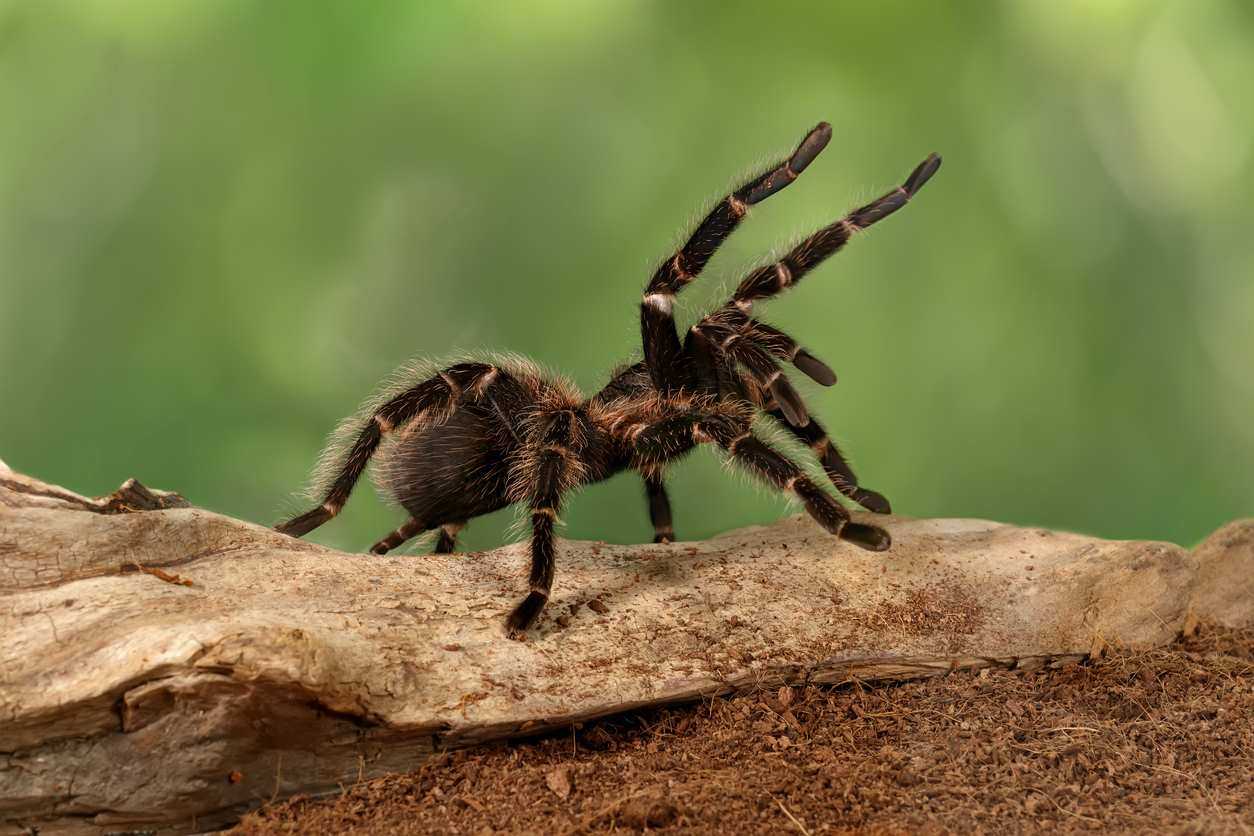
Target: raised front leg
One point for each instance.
(657, 324)
(732, 332)
(772, 279)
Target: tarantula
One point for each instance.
(477, 436)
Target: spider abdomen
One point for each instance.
(450, 472)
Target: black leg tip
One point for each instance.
(305, 523)
(790, 402)
(771, 182)
(524, 615)
(873, 501)
(379, 548)
(922, 174)
(664, 539)
(814, 368)
(868, 537)
(810, 147)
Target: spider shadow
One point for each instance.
(648, 572)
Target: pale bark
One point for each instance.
(170, 668)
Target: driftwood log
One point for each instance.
(164, 667)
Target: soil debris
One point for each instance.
(1155, 741)
(558, 781)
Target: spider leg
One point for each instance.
(662, 349)
(715, 371)
(659, 508)
(815, 437)
(430, 401)
(549, 472)
(785, 347)
(772, 279)
(447, 542)
(764, 370)
(654, 444)
(834, 464)
(777, 469)
(411, 528)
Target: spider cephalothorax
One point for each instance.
(476, 436)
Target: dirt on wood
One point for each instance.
(1160, 740)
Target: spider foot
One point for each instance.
(869, 537)
(872, 501)
(524, 615)
(305, 523)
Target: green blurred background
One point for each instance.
(223, 223)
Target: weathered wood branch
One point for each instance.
(170, 667)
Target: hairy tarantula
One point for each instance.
(477, 436)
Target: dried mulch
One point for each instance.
(1160, 740)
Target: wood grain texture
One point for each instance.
(129, 699)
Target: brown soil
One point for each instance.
(1160, 740)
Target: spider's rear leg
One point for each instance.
(412, 528)
(446, 543)
(430, 401)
